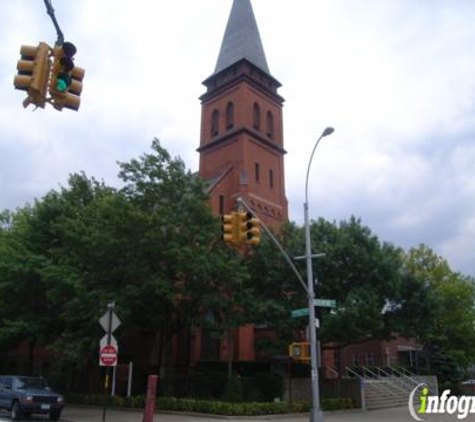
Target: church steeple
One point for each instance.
(242, 146)
(242, 142)
(242, 39)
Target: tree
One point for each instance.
(357, 271)
(194, 277)
(37, 280)
(437, 307)
(152, 246)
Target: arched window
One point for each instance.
(230, 115)
(271, 178)
(256, 117)
(215, 123)
(270, 125)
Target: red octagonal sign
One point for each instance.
(108, 355)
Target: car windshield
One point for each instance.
(25, 383)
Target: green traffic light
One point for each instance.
(61, 85)
(63, 80)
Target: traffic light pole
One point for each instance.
(241, 202)
(50, 11)
(316, 414)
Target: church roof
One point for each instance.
(242, 39)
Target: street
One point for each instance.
(94, 414)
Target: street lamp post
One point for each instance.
(316, 414)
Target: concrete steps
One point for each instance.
(392, 391)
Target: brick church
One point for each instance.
(241, 146)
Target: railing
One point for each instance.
(379, 374)
(402, 374)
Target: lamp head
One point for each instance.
(328, 131)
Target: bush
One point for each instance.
(337, 404)
(211, 407)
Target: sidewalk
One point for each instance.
(94, 414)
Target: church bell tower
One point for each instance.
(241, 145)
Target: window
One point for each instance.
(221, 204)
(356, 360)
(257, 172)
(271, 178)
(215, 123)
(270, 125)
(230, 115)
(256, 117)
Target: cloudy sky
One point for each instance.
(396, 78)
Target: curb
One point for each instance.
(225, 417)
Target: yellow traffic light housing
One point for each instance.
(300, 351)
(33, 73)
(249, 228)
(229, 229)
(66, 79)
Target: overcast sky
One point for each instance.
(395, 78)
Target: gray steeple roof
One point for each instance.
(241, 39)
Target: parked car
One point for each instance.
(23, 396)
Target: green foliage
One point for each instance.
(358, 271)
(211, 407)
(436, 306)
(152, 245)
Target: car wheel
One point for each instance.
(54, 416)
(16, 412)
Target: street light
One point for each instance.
(316, 414)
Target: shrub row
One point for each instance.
(208, 406)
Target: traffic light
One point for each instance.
(300, 351)
(249, 228)
(33, 73)
(229, 232)
(66, 79)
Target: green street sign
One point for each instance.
(324, 303)
(300, 313)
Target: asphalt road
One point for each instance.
(93, 414)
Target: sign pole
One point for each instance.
(106, 386)
(110, 310)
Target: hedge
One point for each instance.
(209, 406)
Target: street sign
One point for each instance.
(104, 321)
(103, 342)
(108, 355)
(321, 303)
(324, 303)
(300, 313)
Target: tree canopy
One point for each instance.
(153, 246)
